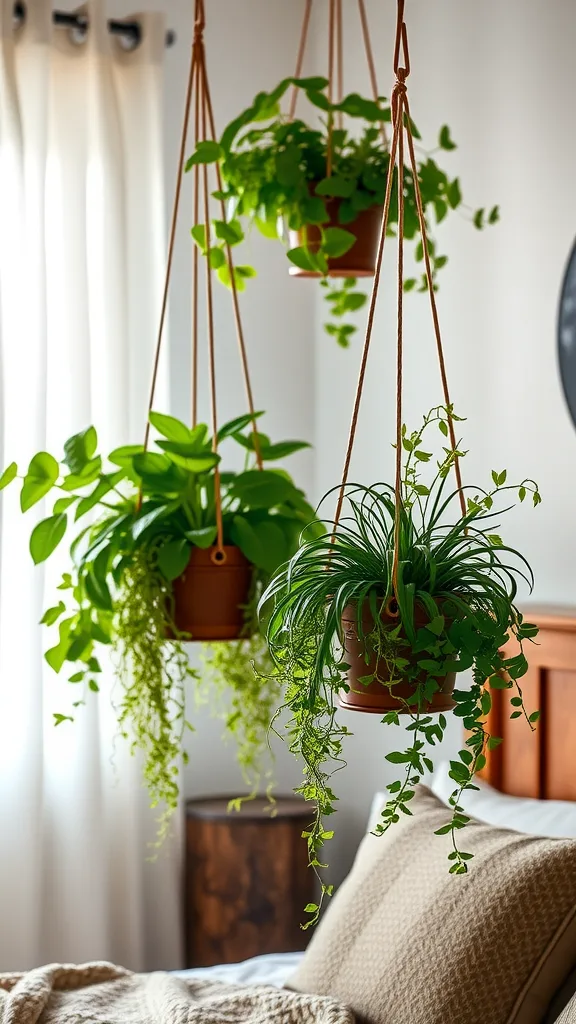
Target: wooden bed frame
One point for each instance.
(540, 764)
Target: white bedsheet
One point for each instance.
(271, 969)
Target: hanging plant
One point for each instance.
(320, 190)
(149, 571)
(340, 627)
(406, 591)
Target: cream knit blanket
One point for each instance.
(99, 993)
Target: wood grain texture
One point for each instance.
(540, 764)
(247, 880)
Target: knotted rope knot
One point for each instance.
(199, 26)
(399, 92)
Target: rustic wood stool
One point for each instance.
(247, 879)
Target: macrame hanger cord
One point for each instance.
(339, 60)
(370, 62)
(172, 235)
(203, 118)
(331, 49)
(300, 57)
(233, 287)
(401, 120)
(369, 322)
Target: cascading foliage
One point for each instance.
(146, 511)
(453, 567)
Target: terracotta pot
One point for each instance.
(375, 698)
(360, 260)
(209, 595)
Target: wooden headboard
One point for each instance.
(540, 764)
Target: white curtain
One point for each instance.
(82, 246)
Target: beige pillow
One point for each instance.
(405, 942)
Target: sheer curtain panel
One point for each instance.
(82, 244)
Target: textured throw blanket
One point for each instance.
(99, 993)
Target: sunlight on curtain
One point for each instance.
(82, 246)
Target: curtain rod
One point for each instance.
(131, 31)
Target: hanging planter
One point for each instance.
(149, 574)
(409, 587)
(175, 550)
(359, 260)
(375, 684)
(211, 595)
(321, 186)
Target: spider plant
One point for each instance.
(450, 609)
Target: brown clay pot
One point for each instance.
(375, 698)
(209, 595)
(360, 260)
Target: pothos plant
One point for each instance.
(274, 174)
(146, 511)
(456, 576)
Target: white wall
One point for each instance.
(503, 76)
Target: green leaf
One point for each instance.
(397, 758)
(97, 592)
(90, 473)
(229, 231)
(302, 258)
(198, 233)
(263, 543)
(173, 558)
(236, 425)
(58, 719)
(445, 140)
(310, 908)
(147, 517)
(124, 455)
(203, 538)
(282, 449)
(151, 464)
(56, 656)
(206, 152)
(93, 685)
(46, 536)
(53, 614)
(268, 228)
(80, 449)
(105, 485)
(478, 219)
(61, 504)
(217, 258)
(262, 488)
(336, 186)
(337, 241)
(8, 475)
(42, 474)
(494, 215)
(288, 170)
(169, 427)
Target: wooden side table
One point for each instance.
(247, 880)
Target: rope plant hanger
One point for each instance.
(409, 586)
(175, 549)
(359, 239)
(318, 187)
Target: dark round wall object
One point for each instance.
(567, 334)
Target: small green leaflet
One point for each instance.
(46, 536)
(42, 474)
(8, 475)
(173, 557)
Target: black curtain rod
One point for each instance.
(131, 31)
